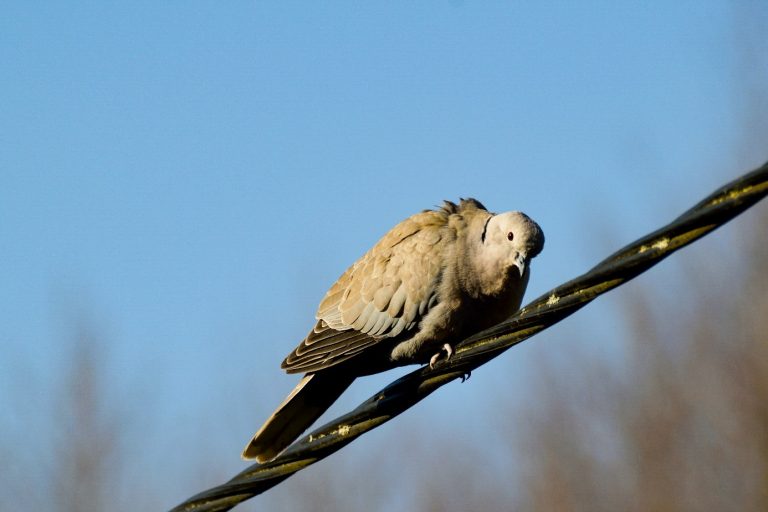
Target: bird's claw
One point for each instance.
(466, 376)
(448, 350)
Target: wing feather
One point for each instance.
(384, 294)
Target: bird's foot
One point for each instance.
(449, 352)
(466, 376)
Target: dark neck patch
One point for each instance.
(485, 228)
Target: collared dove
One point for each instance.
(434, 279)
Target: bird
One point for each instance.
(434, 279)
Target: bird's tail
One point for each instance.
(309, 399)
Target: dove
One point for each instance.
(434, 279)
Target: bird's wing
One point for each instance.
(384, 294)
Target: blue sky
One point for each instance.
(188, 178)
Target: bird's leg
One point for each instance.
(448, 350)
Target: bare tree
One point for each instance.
(87, 433)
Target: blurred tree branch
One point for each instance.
(677, 421)
(717, 209)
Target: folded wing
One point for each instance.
(383, 295)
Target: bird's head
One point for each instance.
(511, 239)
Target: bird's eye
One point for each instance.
(510, 236)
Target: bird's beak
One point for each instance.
(520, 262)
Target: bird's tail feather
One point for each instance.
(309, 399)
